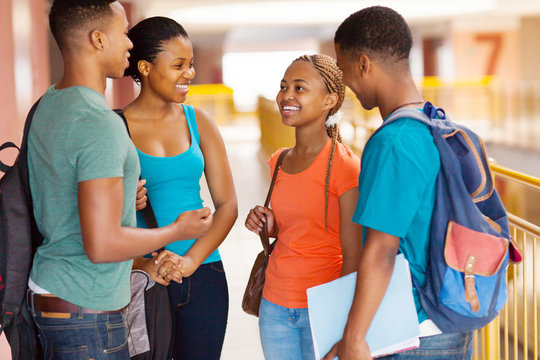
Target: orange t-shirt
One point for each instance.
(305, 254)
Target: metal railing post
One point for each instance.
(491, 344)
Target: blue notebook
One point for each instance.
(393, 329)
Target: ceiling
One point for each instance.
(211, 16)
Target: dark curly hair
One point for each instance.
(376, 31)
(66, 15)
(148, 37)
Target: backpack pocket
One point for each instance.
(476, 264)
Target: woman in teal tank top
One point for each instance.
(176, 145)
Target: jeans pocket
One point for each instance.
(78, 353)
(217, 266)
(116, 337)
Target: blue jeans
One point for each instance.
(285, 333)
(201, 305)
(82, 336)
(444, 347)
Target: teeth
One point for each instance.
(183, 87)
(291, 108)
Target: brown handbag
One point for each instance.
(253, 293)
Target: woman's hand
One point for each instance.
(257, 216)
(140, 203)
(187, 266)
(168, 266)
(148, 265)
(175, 267)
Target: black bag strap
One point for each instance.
(265, 239)
(24, 174)
(147, 213)
(29, 117)
(24, 143)
(7, 145)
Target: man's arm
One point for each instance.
(350, 232)
(105, 240)
(374, 273)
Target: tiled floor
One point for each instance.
(241, 246)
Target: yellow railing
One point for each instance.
(515, 333)
(504, 112)
(274, 134)
(216, 99)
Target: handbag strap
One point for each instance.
(265, 239)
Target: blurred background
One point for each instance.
(478, 59)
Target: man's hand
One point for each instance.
(148, 265)
(175, 267)
(167, 265)
(193, 224)
(141, 195)
(349, 350)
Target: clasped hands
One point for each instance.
(167, 266)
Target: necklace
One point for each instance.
(407, 104)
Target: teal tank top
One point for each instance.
(173, 185)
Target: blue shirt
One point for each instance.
(173, 185)
(397, 191)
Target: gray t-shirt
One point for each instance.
(76, 137)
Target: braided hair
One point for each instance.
(332, 76)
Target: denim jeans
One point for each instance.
(444, 347)
(285, 333)
(201, 305)
(82, 336)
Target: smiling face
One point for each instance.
(303, 97)
(171, 72)
(117, 44)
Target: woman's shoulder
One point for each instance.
(202, 116)
(274, 157)
(205, 126)
(344, 154)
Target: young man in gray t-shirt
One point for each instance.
(83, 179)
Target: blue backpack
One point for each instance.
(470, 241)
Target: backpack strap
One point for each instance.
(424, 116)
(147, 213)
(434, 117)
(28, 122)
(37, 237)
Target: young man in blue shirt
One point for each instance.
(397, 181)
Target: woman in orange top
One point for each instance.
(312, 205)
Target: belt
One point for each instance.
(51, 303)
